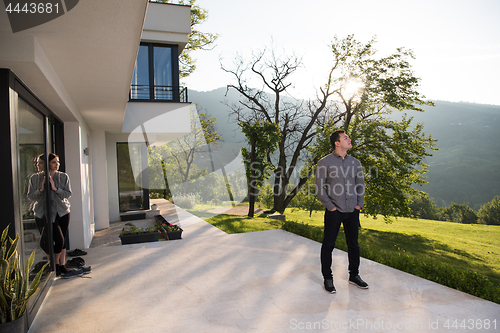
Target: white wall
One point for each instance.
(81, 227)
(100, 179)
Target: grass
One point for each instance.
(461, 256)
(468, 246)
(234, 224)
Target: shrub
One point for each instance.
(266, 197)
(187, 201)
(307, 198)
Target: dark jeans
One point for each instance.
(59, 231)
(351, 230)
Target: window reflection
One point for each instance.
(131, 193)
(31, 144)
(154, 77)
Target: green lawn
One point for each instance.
(472, 247)
(234, 224)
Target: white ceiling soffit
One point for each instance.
(81, 63)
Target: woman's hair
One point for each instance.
(51, 156)
(42, 157)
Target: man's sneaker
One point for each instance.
(356, 280)
(86, 269)
(329, 287)
(72, 273)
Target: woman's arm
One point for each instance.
(63, 186)
(35, 187)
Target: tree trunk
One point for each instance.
(164, 177)
(251, 190)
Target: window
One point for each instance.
(140, 80)
(132, 176)
(156, 74)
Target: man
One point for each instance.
(341, 188)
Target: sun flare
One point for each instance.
(351, 88)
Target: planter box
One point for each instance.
(171, 235)
(174, 234)
(140, 238)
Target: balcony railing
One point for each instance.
(158, 93)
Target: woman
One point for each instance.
(59, 191)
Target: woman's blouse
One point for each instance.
(59, 199)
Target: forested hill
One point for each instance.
(467, 166)
(465, 169)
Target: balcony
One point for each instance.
(147, 93)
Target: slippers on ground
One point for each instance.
(76, 253)
(75, 263)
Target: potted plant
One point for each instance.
(16, 289)
(172, 232)
(160, 219)
(132, 234)
(168, 231)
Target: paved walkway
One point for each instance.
(265, 281)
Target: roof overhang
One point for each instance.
(167, 23)
(157, 123)
(79, 65)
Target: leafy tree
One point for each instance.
(460, 213)
(359, 94)
(391, 151)
(263, 137)
(423, 207)
(307, 198)
(489, 213)
(197, 40)
(296, 119)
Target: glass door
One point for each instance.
(130, 177)
(31, 140)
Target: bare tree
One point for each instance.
(297, 120)
(359, 92)
(183, 150)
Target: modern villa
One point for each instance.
(94, 86)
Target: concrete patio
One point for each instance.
(265, 281)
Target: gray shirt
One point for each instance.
(340, 182)
(59, 199)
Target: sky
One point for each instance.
(456, 42)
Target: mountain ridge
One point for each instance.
(463, 170)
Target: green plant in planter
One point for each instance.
(15, 287)
(172, 228)
(131, 229)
